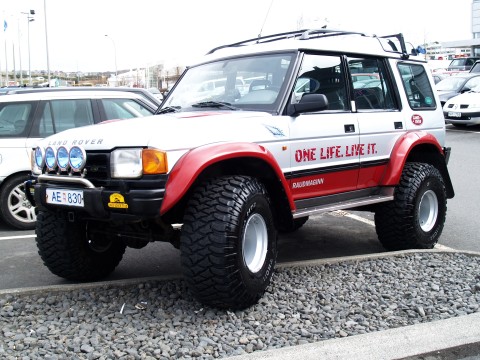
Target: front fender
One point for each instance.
(400, 153)
(193, 163)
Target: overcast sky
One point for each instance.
(146, 32)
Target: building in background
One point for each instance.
(474, 43)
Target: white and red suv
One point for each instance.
(285, 133)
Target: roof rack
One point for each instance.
(403, 45)
(307, 34)
(304, 34)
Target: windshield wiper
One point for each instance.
(167, 109)
(214, 104)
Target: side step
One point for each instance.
(315, 206)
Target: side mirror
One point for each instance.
(308, 103)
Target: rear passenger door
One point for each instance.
(58, 115)
(378, 114)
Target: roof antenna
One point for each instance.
(264, 21)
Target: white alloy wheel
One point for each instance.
(428, 210)
(255, 243)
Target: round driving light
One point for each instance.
(78, 158)
(62, 158)
(39, 156)
(50, 158)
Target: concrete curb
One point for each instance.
(383, 345)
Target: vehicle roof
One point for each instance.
(465, 75)
(145, 93)
(320, 39)
(92, 94)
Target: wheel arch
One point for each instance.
(226, 159)
(417, 147)
(12, 175)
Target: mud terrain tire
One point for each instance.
(415, 218)
(228, 242)
(69, 252)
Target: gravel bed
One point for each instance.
(304, 304)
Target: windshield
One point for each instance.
(247, 83)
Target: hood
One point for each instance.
(466, 98)
(444, 95)
(175, 131)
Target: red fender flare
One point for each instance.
(190, 166)
(400, 153)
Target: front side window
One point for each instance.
(321, 74)
(14, 118)
(124, 109)
(417, 86)
(254, 82)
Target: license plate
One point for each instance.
(454, 114)
(65, 197)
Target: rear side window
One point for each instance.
(371, 88)
(417, 86)
(60, 115)
(14, 118)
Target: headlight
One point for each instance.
(126, 163)
(78, 158)
(38, 160)
(133, 163)
(62, 158)
(51, 158)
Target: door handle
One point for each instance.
(349, 128)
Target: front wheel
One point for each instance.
(228, 242)
(15, 208)
(415, 218)
(73, 250)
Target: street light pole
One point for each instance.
(115, 53)
(29, 19)
(46, 40)
(20, 52)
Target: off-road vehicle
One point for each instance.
(285, 133)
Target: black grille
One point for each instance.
(98, 166)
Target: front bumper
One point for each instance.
(100, 202)
(463, 118)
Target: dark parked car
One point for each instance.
(476, 67)
(462, 64)
(456, 84)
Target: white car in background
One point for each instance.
(464, 109)
(28, 117)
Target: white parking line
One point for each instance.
(370, 222)
(17, 237)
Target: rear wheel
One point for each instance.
(15, 208)
(74, 251)
(415, 218)
(228, 242)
